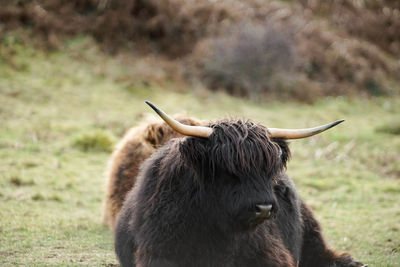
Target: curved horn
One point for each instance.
(199, 131)
(300, 133)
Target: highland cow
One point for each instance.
(136, 146)
(221, 198)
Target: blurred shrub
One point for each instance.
(38, 197)
(253, 60)
(393, 128)
(18, 181)
(94, 141)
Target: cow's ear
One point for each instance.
(285, 151)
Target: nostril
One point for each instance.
(263, 211)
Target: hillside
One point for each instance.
(62, 111)
(259, 49)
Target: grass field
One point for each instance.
(61, 112)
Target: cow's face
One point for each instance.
(245, 202)
(238, 168)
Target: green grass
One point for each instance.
(60, 111)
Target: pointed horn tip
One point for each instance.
(336, 123)
(329, 126)
(150, 104)
(156, 109)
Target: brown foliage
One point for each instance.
(170, 26)
(377, 21)
(342, 47)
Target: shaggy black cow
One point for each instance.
(221, 200)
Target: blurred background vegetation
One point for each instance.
(74, 75)
(302, 49)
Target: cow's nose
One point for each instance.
(263, 211)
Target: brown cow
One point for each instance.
(136, 146)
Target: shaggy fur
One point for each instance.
(192, 205)
(136, 146)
